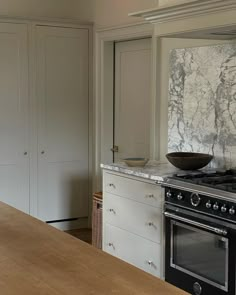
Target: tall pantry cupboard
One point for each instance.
(44, 119)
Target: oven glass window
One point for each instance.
(199, 252)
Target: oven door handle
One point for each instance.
(216, 230)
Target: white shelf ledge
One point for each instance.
(206, 19)
(169, 13)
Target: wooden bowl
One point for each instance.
(189, 161)
(136, 162)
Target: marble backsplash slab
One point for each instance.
(202, 102)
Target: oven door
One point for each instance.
(197, 254)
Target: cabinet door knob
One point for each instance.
(111, 245)
(25, 153)
(149, 196)
(115, 149)
(150, 223)
(112, 211)
(150, 262)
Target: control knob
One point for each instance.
(169, 194)
(208, 204)
(180, 197)
(216, 206)
(223, 209)
(232, 210)
(195, 199)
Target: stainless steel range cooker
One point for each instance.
(200, 227)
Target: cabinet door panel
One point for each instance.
(133, 249)
(62, 90)
(132, 98)
(14, 145)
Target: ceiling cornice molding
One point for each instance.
(185, 10)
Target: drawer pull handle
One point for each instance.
(111, 245)
(150, 223)
(151, 263)
(112, 211)
(149, 196)
(111, 185)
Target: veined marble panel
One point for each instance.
(202, 102)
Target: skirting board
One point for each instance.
(68, 225)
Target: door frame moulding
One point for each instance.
(32, 23)
(46, 21)
(103, 104)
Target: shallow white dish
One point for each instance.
(136, 162)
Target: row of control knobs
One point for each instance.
(179, 196)
(223, 208)
(195, 201)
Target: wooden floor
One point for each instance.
(84, 234)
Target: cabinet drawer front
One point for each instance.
(146, 193)
(141, 219)
(133, 249)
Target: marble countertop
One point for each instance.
(153, 170)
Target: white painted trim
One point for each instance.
(91, 123)
(155, 111)
(33, 121)
(71, 22)
(189, 9)
(115, 28)
(123, 33)
(103, 38)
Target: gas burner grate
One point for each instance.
(223, 180)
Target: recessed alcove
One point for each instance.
(192, 24)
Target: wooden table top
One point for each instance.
(37, 259)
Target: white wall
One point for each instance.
(105, 13)
(46, 8)
(84, 10)
(110, 13)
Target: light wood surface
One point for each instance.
(36, 258)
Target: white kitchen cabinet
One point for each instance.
(44, 119)
(132, 221)
(63, 108)
(132, 79)
(133, 249)
(138, 218)
(14, 116)
(140, 191)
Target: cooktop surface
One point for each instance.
(222, 179)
